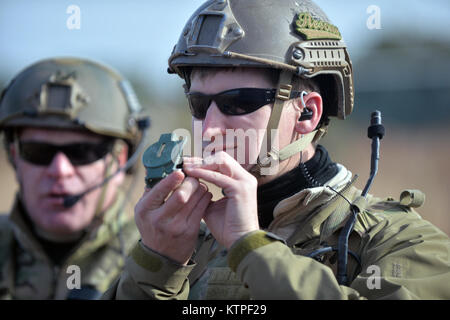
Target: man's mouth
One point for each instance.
(57, 199)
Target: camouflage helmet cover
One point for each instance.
(293, 35)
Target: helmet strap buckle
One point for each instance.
(284, 92)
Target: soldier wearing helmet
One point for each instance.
(303, 231)
(69, 125)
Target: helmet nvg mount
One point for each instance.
(72, 93)
(293, 36)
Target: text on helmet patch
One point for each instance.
(313, 29)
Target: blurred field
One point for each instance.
(410, 159)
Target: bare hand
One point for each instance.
(170, 226)
(235, 215)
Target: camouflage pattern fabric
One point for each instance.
(26, 272)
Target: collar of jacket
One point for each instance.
(101, 230)
(299, 218)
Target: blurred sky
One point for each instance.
(137, 37)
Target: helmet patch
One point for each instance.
(61, 94)
(313, 29)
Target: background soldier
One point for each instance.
(304, 232)
(69, 126)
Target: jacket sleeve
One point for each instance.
(148, 275)
(404, 259)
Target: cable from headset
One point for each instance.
(376, 132)
(342, 244)
(308, 177)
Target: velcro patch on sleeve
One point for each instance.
(245, 245)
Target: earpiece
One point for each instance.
(307, 114)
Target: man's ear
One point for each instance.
(314, 104)
(12, 153)
(120, 152)
(120, 156)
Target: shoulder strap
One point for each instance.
(340, 209)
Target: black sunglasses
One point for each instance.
(42, 154)
(235, 102)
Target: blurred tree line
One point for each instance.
(407, 77)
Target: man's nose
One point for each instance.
(60, 166)
(214, 122)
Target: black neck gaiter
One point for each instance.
(315, 172)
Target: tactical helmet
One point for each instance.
(293, 36)
(71, 93)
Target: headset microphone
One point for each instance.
(143, 125)
(69, 201)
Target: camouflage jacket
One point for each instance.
(26, 272)
(401, 256)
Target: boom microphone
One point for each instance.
(70, 201)
(143, 124)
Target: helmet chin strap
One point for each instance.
(107, 172)
(267, 159)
